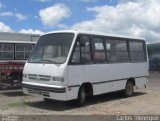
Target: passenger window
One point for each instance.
(99, 52)
(137, 53)
(76, 54)
(136, 46)
(116, 51)
(85, 49)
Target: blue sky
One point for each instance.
(30, 10)
(138, 18)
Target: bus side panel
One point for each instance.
(105, 77)
(141, 70)
(108, 87)
(141, 82)
(75, 79)
(113, 77)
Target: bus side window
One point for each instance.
(99, 52)
(85, 49)
(116, 51)
(6, 51)
(137, 51)
(76, 54)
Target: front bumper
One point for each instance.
(54, 92)
(43, 88)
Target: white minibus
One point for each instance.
(67, 65)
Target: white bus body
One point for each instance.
(99, 63)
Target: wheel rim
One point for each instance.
(129, 89)
(83, 95)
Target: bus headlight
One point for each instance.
(24, 75)
(58, 79)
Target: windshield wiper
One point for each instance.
(47, 60)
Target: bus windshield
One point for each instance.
(52, 48)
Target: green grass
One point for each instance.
(17, 104)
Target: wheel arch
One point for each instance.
(132, 80)
(88, 88)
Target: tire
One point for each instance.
(81, 96)
(48, 100)
(128, 91)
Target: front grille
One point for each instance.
(44, 78)
(33, 76)
(39, 77)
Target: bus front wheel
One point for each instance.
(81, 96)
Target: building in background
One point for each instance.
(14, 50)
(154, 56)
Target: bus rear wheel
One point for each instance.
(81, 96)
(128, 91)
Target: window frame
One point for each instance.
(117, 39)
(93, 49)
(90, 48)
(144, 50)
(105, 38)
(73, 50)
(24, 51)
(38, 42)
(2, 51)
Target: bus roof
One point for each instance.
(154, 45)
(15, 37)
(18, 42)
(15, 33)
(95, 33)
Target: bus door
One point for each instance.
(75, 69)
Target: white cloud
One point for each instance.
(44, 0)
(20, 16)
(0, 5)
(5, 28)
(6, 14)
(88, 0)
(31, 31)
(52, 16)
(129, 17)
